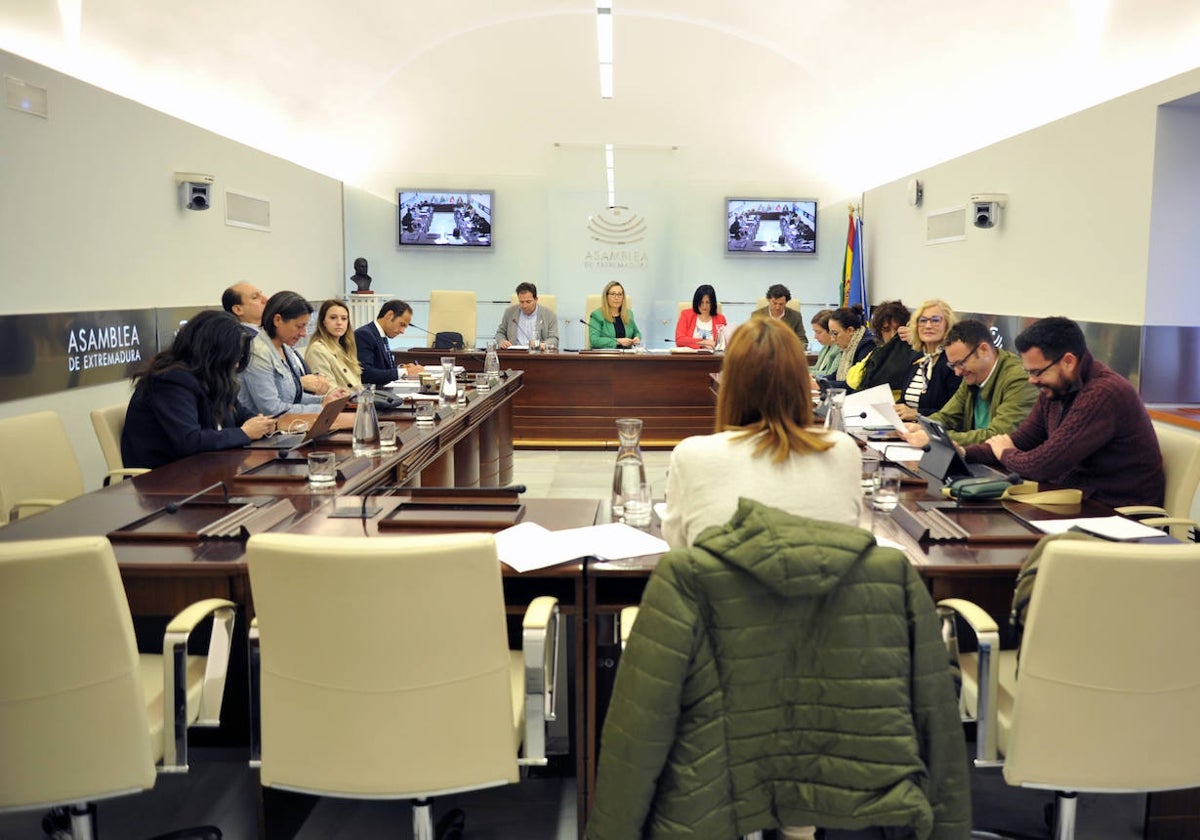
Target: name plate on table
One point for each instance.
(197, 521)
(291, 468)
(458, 515)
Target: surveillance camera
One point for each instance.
(985, 209)
(195, 190)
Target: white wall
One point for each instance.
(90, 219)
(1075, 237)
(540, 235)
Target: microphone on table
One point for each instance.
(173, 507)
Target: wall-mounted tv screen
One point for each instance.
(771, 225)
(441, 217)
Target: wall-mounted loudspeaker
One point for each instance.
(195, 190)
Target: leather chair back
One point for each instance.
(1181, 464)
(385, 664)
(109, 423)
(38, 461)
(452, 311)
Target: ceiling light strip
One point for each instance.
(604, 46)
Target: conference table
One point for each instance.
(573, 399)
(466, 450)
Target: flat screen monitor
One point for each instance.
(446, 218)
(771, 225)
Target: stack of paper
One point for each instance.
(1106, 527)
(528, 546)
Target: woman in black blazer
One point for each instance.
(185, 401)
(930, 382)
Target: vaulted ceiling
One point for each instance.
(835, 96)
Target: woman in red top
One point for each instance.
(700, 327)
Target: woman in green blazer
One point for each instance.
(612, 324)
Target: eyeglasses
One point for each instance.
(835, 333)
(1034, 374)
(962, 363)
(616, 294)
(930, 319)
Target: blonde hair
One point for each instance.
(764, 391)
(626, 314)
(951, 319)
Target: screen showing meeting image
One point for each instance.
(440, 217)
(771, 226)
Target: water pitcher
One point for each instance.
(449, 390)
(491, 365)
(629, 474)
(366, 424)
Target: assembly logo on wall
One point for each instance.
(618, 230)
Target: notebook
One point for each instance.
(943, 462)
(320, 427)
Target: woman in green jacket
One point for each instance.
(612, 324)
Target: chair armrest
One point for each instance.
(987, 636)
(255, 695)
(541, 635)
(628, 617)
(14, 512)
(175, 642)
(1136, 511)
(114, 475)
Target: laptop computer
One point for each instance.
(943, 462)
(319, 428)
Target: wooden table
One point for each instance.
(575, 398)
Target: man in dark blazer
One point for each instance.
(374, 352)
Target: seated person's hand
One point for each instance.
(999, 444)
(412, 370)
(258, 427)
(914, 435)
(624, 342)
(906, 412)
(335, 394)
(315, 383)
(904, 333)
(707, 343)
(635, 342)
(505, 344)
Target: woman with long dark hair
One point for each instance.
(700, 327)
(185, 401)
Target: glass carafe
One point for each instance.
(366, 424)
(835, 417)
(491, 365)
(629, 474)
(449, 391)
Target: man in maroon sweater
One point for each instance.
(1088, 428)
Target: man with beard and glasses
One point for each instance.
(1088, 428)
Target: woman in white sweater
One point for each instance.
(765, 447)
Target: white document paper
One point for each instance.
(896, 451)
(1107, 527)
(863, 402)
(527, 546)
(887, 410)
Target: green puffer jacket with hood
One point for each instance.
(782, 671)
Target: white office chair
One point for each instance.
(40, 467)
(593, 303)
(385, 669)
(109, 423)
(1181, 466)
(452, 311)
(1109, 680)
(83, 717)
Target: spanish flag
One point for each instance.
(854, 283)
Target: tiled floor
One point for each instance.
(222, 790)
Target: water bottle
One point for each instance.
(629, 473)
(835, 418)
(449, 391)
(366, 424)
(491, 365)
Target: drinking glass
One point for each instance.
(887, 491)
(870, 469)
(639, 507)
(424, 412)
(387, 435)
(322, 469)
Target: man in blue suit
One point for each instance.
(374, 352)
